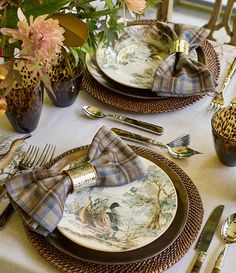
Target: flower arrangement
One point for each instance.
(39, 35)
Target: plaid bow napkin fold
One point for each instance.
(179, 74)
(39, 196)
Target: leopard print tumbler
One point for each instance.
(224, 135)
(24, 108)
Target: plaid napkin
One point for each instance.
(39, 196)
(179, 75)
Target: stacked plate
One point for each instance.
(128, 68)
(125, 224)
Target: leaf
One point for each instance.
(67, 60)
(109, 3)
(75, 55)
(47, 7)
(46, 80)
(76, 31)
(34, 9)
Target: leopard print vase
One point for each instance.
(24, 108)
(65, 91)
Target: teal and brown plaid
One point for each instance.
(39, 196)
(179, 74)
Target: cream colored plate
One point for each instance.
(135, 56)
(121, 218)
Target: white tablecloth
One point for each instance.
(68, 128)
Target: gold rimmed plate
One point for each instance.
(150, 249)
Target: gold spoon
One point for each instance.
(94, 112)
(228, 232)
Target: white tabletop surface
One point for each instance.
(68, 128)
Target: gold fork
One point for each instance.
(233, 102)
(31, 160)
(218, 101)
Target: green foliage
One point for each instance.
(34, 8)
(104, 25)
(99, 24)
(152, 3)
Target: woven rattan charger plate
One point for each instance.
(119, 101)
(157, 264)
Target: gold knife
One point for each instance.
(206, 237)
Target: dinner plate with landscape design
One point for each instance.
(121, 218)
(122, 224)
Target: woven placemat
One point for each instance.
(119, 101)
(157, 264)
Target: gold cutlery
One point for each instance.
(228, 233)
(206, 236)
(218, 101)
(94, 112)
(180, 151)
(233, 102)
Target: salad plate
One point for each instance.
(136, 55)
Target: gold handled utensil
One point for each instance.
(219, 101)
(96, 113)
(206, 236)
(233, 102)
(228, 233)
(180, 151)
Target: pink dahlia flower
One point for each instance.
(135, 6)
(3, 4)
(40, 39)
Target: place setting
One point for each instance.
(130, 75)
(133, 219)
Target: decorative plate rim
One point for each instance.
(116, 87)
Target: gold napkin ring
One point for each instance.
(82, 176)
(180, 46)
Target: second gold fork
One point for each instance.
(218, 101)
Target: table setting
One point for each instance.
(137, 172)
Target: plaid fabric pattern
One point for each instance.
(116, 164)
(179, 75)
(39, 196)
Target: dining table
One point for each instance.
(68, 128)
